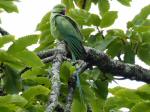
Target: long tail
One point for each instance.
(79, 87)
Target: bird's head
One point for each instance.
(60, 8)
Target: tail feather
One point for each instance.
(75, 47)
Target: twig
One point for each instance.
(72, 86)
(84, 4)
(47, 53)
(24, 70)
(100, 32)
(3, 32)
(48, 59)
(118, 56)
(55, 80)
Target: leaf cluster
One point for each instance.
(28, 90)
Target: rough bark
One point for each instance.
(55, 79)
(117, 68)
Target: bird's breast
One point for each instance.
(54, 30)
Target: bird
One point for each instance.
(64, 28)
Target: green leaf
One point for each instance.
(101, 88)
(145, 37)
(94, 98)
(117, 32)
(125, 2)
(44, 23)
(144, 53)
(124, 93)
(94, 19)
(46, 39)
(22, 43)
(12, 80)
(37, 81)
(145, 88)
(144, 92)
(10, 59)
(4, 109)
(8, 6)
(87, 31)
(45, 45)
(97, 104)
(84, 18)
(66, 71)
(103, 6)
(77, 106)
(107, 41)
(115, 48)
(13, 99)
(114, 103)
(135, 37)
(140, 18)
(69, 4)
(98, 42)
(12, 103)
(129, 55)
(115, 89)
(6, 39)
(29, 58)
(142, 29)
(35, 108)
(34, 91)
(141, 107)
(84, 4)
(108, 19)
(33, 73)
(146, 22)
(36, 75)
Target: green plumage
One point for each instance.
(65, 28)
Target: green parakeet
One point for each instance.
(65, 28)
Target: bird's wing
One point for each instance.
(71, 35)
(69, 26)
(75, 26)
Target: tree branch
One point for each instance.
(3, 32)
(48, 53)
(48, 59)
(117, 68)
(72, 86)
(55, 79)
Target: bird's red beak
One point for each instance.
(65, 11)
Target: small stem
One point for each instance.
(47, 53)
(3, 32)
(84, 4)
(48, 59)
(100, 32)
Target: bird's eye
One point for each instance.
(63, 12)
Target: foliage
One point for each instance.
(28, 91)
